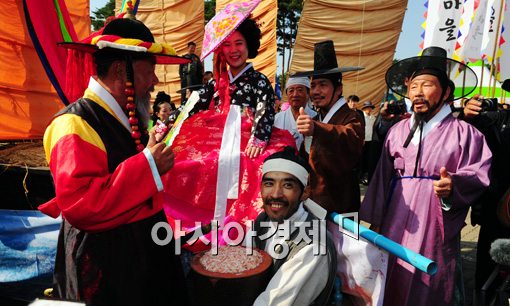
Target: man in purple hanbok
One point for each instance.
(432, 168)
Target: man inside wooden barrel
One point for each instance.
(304, 258)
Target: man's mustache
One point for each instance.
(275, 201)
(421, 100)
(318, 97)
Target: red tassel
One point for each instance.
(222, 82)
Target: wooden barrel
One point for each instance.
(25, 188)
(216, 288)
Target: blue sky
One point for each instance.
(408, 44)
(95, 4)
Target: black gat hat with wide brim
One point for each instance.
(324, 62)
(506, 85)
(433, 61)
(127, 37)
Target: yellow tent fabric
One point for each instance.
(265, 15)
(28, 101)
(365, 34)
(174, 22)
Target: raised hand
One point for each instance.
(384, 111)
(473, 107)
(443, 186)
(305, 123)
(163, 155)
(253, 151)
(152, 137)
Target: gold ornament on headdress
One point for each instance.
(129, 11)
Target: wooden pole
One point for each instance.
(481, 76)
(494, 81)
(502, 92)
(496, 45)
(464, 81)
(284, 31)
(491, 71)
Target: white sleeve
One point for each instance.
(278, 120)
(299, 281)
(154, 169)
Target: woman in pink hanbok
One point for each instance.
(221, 147)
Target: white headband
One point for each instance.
(298, 81)
(285, 165)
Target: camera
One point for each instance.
(489, 105)
(397, 108)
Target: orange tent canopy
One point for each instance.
(28, 101)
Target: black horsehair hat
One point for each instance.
(324, 62)
(506, 85)
(433, 61)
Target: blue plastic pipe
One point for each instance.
(418, 261)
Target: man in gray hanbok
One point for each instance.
(431, 169)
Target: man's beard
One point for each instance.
(423, 101)
(142, 107)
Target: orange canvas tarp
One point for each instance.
(28, 101)
(365, 34)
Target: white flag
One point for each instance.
(442, 25)
(504, 59)
(491, 30)
(472, 44)
(362, 268)
(466, 21)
